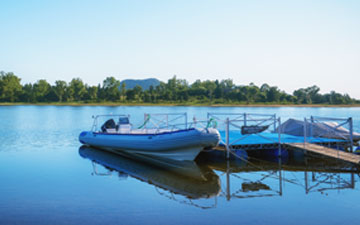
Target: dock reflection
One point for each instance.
(267, 176)
(185, 178)
(255, 177)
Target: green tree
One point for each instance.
(227, 87)
(123, 92)
(301, 96)
(336, 98)
(130, 94)
(198, 90)
(308, 95)
(91, 93)
(138, 92)
(152, 94)
(41, 89)
(27, 93)
(218, 92)
(111, 87)
(265, 87)
(273, 94)
(210, 87)
(175, 90)
(76, 89)
(10, 87)
(60, 90)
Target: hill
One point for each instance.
(145, 84)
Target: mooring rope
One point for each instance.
(211, 121)
(145, 122)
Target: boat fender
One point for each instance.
(357, 151)
(212, 122)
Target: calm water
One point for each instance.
(46, 178)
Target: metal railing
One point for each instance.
(245, 117)
(158, 122)
(94, 127)
(238, 120)
(164, 119)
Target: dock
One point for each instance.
(231, 127)
(270, 140)
(267, 141)
(325, 151)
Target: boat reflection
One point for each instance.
(245, 178)
(185, 178)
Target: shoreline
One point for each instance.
(180, 104)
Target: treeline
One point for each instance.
(174, 91)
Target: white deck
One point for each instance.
(137, 131)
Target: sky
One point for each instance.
(288, 44)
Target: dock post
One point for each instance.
(279, 136)
(306, 182)
(167, 120)
(275, 123)
(228, 181)
(245, 122)
(227, 139)
(351, 134)
(305, 128)
(186, 121)
(280, 178)
(311, 126)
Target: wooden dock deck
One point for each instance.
(325, 151)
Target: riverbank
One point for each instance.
(172, 104)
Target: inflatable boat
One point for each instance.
(178, 144)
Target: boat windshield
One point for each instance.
(124, 120)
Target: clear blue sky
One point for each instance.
(290, 44)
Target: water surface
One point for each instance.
(46, 178)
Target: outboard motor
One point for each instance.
(108, 125)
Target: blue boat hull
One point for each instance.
(179, 145)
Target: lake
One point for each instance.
(46, 178)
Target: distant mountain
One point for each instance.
(145, 84)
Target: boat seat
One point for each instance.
(111, 130)
(124, 128)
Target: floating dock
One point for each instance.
(270, 140)
(267, 141)
(233, 137)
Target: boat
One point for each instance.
(185, 178)
(317, 129)
(169, 142)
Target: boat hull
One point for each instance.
(179, 145)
